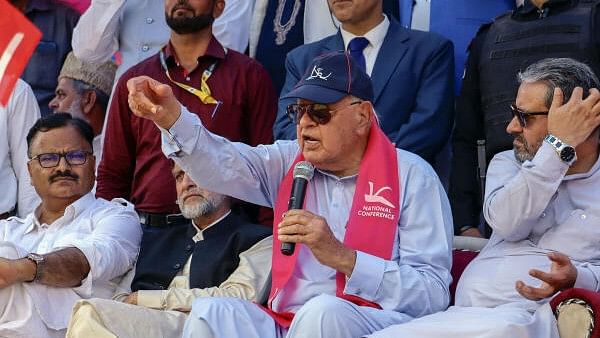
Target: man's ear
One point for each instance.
(218, 8)
(366, 116)
(88, 101)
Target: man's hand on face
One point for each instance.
(131, 299)
(562, 275)
(153, 100)
(574, 121)
(301, 226)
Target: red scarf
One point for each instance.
(374, 205)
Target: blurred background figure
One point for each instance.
(56, 22)
(18, 196)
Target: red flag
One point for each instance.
(18, 39)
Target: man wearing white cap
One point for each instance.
(83, 90)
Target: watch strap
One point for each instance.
(39, 262)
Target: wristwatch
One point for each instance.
(39, 265)
(565, 152)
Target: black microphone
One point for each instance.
(303, 172)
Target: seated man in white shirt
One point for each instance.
(209, 252)
(542, 203)
(72, 246)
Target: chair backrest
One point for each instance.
(465, 250)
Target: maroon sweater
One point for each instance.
(133, 165)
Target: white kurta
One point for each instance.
(414, 282)
(21, 112)
(533, 209)
(107, 233)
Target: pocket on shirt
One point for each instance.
(577, 237)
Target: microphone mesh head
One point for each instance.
(304, 170)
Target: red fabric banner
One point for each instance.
(18, 39)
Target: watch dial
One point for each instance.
(567, 154)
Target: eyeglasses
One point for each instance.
(523, 115)
(318, 112)
(51, 160)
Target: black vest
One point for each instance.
(511, 45)
(164, 253)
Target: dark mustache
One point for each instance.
(65, 174)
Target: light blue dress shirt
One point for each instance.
(415, 281)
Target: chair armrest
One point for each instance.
(577, 313)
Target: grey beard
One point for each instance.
(202, 208)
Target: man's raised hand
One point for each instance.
(153, 100)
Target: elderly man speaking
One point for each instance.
(373, 239)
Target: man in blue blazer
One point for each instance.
(412, 74)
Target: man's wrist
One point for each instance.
(25, 270)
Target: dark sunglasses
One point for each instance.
(51, 160)
(523, 115)
(318, 112)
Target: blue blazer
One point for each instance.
(412, 82)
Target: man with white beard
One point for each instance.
(217, 253)
(83, 90)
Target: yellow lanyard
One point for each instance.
(204, 92)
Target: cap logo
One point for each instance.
(317, 73)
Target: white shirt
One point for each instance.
(534, 208)
(414, 281)
(375, 37)
(21, 112)
(107, 233)
(137, 28)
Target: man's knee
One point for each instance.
(206, 307)
(323, 308)
(85, 320)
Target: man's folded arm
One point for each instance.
(517, 195)
(249, 281)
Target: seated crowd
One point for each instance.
(178, 196)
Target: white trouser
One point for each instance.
(324, 316)
(103, 318)
(478, 322)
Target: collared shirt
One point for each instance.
(133, 166)
(414, 281)
(56, 22)
(137, 28)
(16, 118)
(375, 37)
(534, 208)
(107, 233)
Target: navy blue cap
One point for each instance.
(330, 78)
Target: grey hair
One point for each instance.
(81, 87)
(563, 73)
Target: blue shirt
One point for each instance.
(56, 22)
